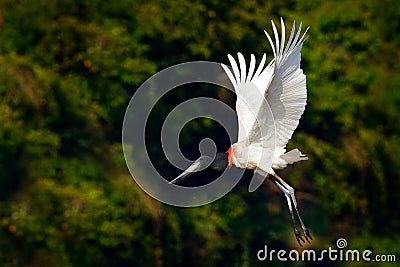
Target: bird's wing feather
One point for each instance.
(274, 96)
(250, 96)
(287, 94)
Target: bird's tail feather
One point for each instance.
(293, 156)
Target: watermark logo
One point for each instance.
(136, 124)
(338, 254)
(341, 243)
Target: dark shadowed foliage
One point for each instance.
(67, 71)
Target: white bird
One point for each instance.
(270, 102)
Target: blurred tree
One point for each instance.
(67, 71)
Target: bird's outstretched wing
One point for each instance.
(250, 91)
(283, 85)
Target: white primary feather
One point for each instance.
(250, 103)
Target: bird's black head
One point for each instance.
(220, 162)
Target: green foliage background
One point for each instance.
(67, 71)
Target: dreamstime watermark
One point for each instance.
(136, 123)
(340, 253)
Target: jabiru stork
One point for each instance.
(282, 86)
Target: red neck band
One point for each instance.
(229, 156)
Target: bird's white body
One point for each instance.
(250, 157)
(270, 102)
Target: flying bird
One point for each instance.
(270, 102)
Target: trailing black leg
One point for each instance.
(306, 231)
(297, 233)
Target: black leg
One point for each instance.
(297, 233)
(289, 194)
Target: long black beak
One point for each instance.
(198, 165)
